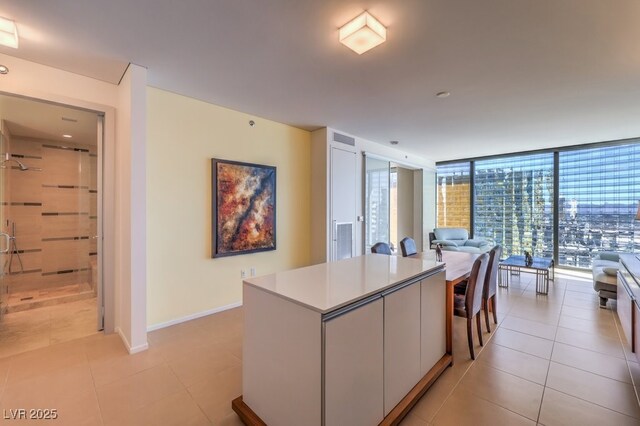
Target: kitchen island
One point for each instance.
(353, 342)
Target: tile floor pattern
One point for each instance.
(34, 299)
(37, 328)
(553, 360)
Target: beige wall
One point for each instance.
(183, 135)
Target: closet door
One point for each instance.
(343, 203)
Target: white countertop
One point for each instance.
(329, 286)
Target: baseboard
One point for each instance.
(193, 316)
(131, 350)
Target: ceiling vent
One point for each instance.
(73, 120)
(348, 140)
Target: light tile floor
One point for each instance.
(37, 328)
(553, 360)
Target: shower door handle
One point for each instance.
(7, 239)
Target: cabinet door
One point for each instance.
(624, 308)
(353, 388)
(343, 204)
(401, 344)
(636, 329)
(433, 321)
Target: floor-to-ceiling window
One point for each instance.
(598, 200)
(593, 189)
(513, 203)
(454, 191)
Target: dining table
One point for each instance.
(457, 269)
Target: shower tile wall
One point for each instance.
(53, 205)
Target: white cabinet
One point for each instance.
(321, 350)
(353, 387)
(401, 343)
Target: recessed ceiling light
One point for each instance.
(67, 136)
(363, 33)
(394, 142)
(442, 94)
(8, 33)
(4, 69)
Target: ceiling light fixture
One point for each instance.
(394, 142)
(363, 33)
(442, 94)
(8, 33)
(67, 136)
(4, 69)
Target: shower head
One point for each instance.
(7, 158)
(22, 166)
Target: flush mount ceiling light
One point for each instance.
(4, 69)
(8, 33)
(363, 33)
(393, 142)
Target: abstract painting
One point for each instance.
(244, 207)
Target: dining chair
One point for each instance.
(469, 305)
(408, 247)
(381, 248)
(490, 286)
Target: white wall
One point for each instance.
(131, 210)
(37, 81)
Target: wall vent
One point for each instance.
(348, 140)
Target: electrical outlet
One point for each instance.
(243, 273)
(253, 271)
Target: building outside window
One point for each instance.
(454, 192)
(598, 202)
(513, 201)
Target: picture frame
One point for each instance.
(243, 207)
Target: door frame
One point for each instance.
(106, 175)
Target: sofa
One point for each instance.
(457, 239)
(605, 276)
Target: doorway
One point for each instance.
(49, 223)
(393, 202)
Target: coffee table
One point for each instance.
(543, 268)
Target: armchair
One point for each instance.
(457, 239)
